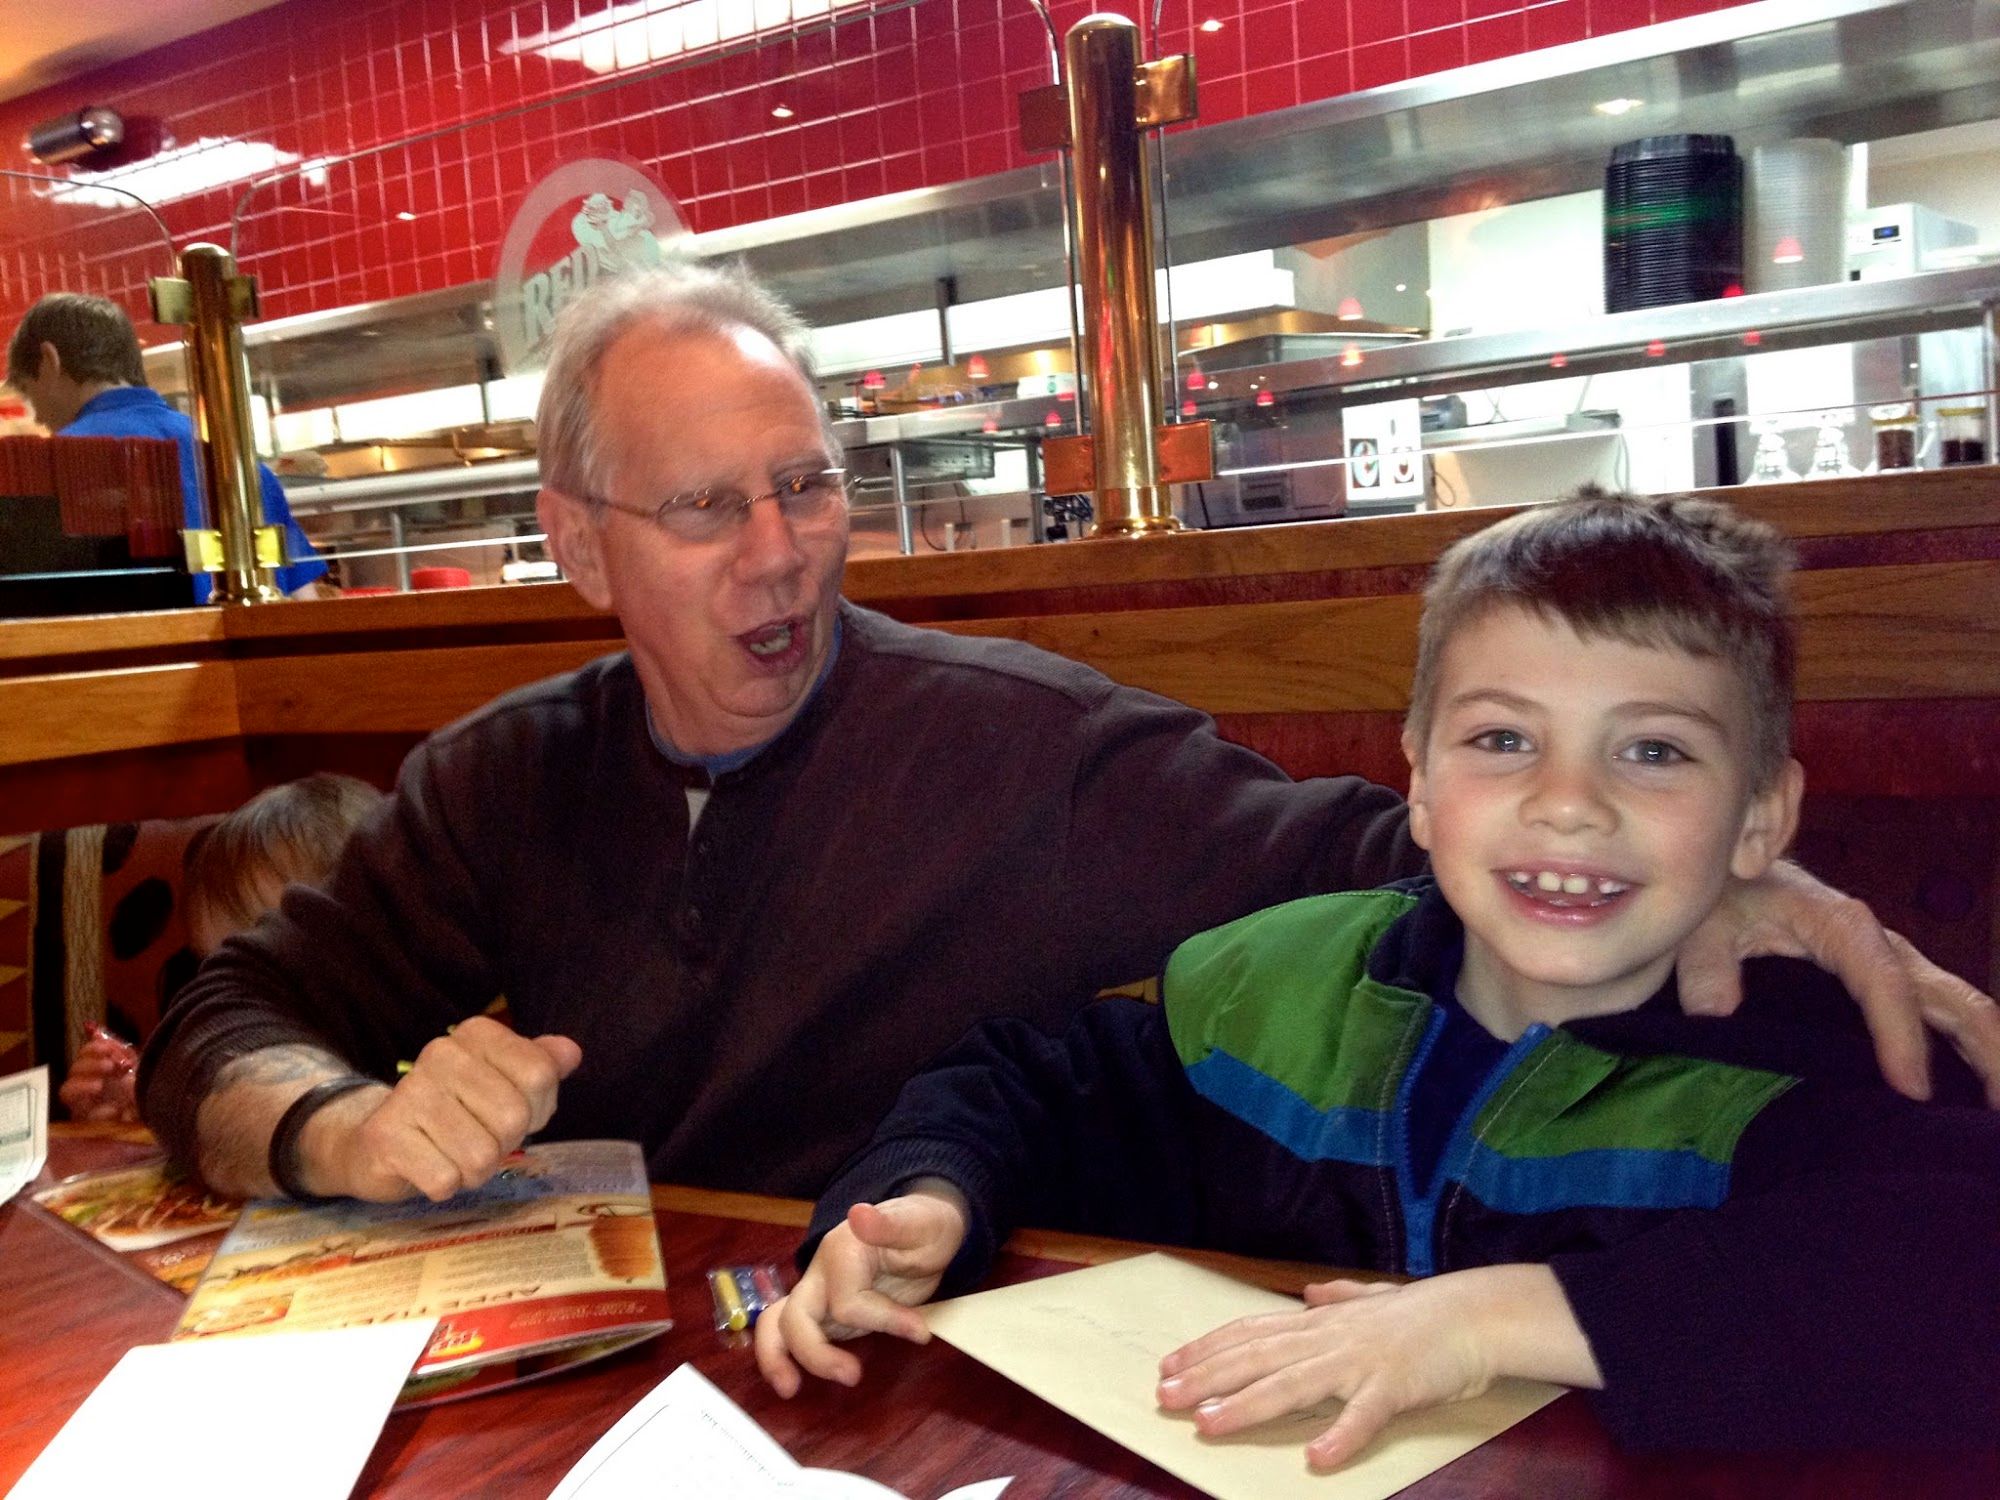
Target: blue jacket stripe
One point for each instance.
(1609, 1178)
(1343, 1134)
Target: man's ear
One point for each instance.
(1420, 808)
(51, 362)
(577, 542)
(1769, 823)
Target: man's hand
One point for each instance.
(100, 1082)
(1788, 912)
(866, 1277)
(1381, 1349)
(471, 1098)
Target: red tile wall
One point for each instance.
(427, 108)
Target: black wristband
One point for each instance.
(284, 1155)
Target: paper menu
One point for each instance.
(24, 1129)
(687, 1439)
(1090, 1342)
(295, 1414)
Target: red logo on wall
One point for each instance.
(585, 220)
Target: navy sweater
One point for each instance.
(1765, 1246)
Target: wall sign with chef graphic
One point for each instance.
(1385, 458)
(586, 220)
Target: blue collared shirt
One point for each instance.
(136, 411)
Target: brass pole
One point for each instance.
(218, 298)
(1114, 217)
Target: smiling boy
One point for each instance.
(1726, 1227)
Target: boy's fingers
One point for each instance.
(807, 1343)
(776, 1365)
(865, 1310)
(1228, 1336)
(1344, 1289)
(1360, 1421)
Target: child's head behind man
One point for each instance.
(291, 834)
(1599, 739)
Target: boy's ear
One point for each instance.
(1420, 808)
(1769, 823)
(577, 543)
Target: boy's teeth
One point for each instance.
(1554, 883)
(773, 643)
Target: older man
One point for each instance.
(740, 882)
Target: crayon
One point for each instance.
(730, 1311)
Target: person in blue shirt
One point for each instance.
(76, 360)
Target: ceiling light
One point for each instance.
(1616, 107)
(178, 172)
(1402, 286)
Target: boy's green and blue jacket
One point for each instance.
(1766, 1247)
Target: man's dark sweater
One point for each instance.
(1765, 1246)
(953, 828)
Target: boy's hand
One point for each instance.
(100, 1085)
(1786, 911)
(1382, 1349)
(866, 1277)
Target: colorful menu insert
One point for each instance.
(152, 1214)
(554, 1261)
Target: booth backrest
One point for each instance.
(91, 931)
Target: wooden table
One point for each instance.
(922, 1421)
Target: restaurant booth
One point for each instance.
(1361, 322)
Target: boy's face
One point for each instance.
(1584, 803)
(207, 927)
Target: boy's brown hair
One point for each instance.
(1664, 571)
(295, 831)
(92, 334)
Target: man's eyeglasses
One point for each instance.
(806, 500)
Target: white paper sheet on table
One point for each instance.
(292, 1414)
(686, 1439)
(1090, 1342)
(24, 1129)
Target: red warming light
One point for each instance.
(975, 368)
(1265, 398)
(1732, 290)
(1787, 252)
(1053, 419)
(1349, 310)
(1558, 361)
(1753, 338)
(989, 425)
(1351, 356)
(1196, 381)
(873, 381)
(1656, 348)
(1188, 408)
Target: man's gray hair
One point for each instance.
(681, 297)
